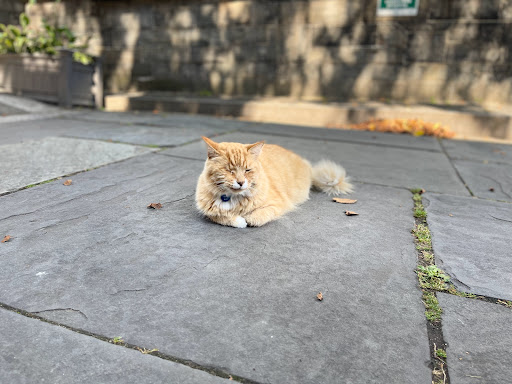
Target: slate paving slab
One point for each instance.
(491, 180)
(39, 160)
(365, 137)
(367, 163)
(175, 120)
(147, 135)
(479, 336)
(471, 241)
(34, 351)
(240, 299)
(479, 151)
(6, 110)
(21, 131)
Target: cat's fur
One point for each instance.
(261, 181)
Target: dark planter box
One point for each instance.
(56, 79)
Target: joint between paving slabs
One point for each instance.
(121, 343)
(432, 279)
(429, 277)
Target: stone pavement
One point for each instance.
(88, 263)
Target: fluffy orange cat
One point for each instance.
(252, 184)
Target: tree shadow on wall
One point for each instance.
(314, 50)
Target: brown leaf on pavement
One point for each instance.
(155, 205)
(6, 239)
(319, 296)
(350, 213)
(68, 182)
(343, 201)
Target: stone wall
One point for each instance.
(318, 49)
(10, 10)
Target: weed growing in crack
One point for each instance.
(420, 213)
(432, 309)
(117, 340)
(441, 353)
(431, 277)
(452, 290)
(428, 256)
(423, 239)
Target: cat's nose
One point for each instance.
(240, 183)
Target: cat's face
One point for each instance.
(233, 168)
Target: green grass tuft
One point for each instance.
(420, 213)
(431, 277)
(432, 309)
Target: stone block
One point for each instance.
(391, 34)
(471, 241)
(52, 157)
(478, 335)
(334, 12)
(234, 12)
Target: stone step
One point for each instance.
(468, 122)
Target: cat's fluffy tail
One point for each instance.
(331, 178)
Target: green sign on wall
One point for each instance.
(397, 7)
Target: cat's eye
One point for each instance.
(248, 170)
(232, 172)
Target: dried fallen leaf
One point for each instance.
(230, 378)
(491, 189)
(422, 191)
(343, 201)
(6, 239)
(68, 182)
(155, 205)
(450, 215)
(414, 127)
(350, 213)
(319, 296)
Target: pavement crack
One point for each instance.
(175, 201)
(454, 167)
(497, 218)
(59, 223)
(61, 309)
(129, 290)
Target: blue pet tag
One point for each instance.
(225, 198)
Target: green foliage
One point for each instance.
(432, 309)
(205, 93)
(423, 239)
(432, 277)
(117, 340)
(441, 353)
(48, 39)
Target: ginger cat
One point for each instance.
(252, 184)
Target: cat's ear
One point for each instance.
(255, 149)
(213, 147)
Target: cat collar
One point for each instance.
(225, 198)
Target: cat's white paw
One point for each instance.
(240, 222)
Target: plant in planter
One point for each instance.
(48, 64)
